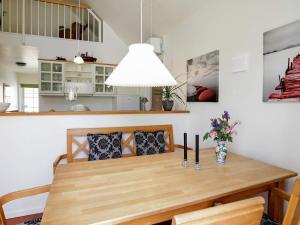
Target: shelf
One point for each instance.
(91, 113)
(77, 72)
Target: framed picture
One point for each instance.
(281, 81)
(203, 78)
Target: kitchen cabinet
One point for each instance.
(102, 72)
(51, 78)
(88, 78)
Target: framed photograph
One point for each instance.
(203, 78)
(282, 64)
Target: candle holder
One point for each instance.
(197, 166)
(185, 163)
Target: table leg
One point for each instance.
(276, 204)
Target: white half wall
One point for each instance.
(29, 146)
(269, 131)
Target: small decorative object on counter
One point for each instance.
(58, 58)
(143, 101)
(87, 58)
(185, 160)
(197, 152)
(221, 132)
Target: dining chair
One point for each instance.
(244, 212)
(292, 214)
(18, 195)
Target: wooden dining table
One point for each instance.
(152, 189)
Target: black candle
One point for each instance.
(185, 146)
(197, 149)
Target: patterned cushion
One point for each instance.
(35, 221)
(267, 220)
(149, 143)
(105, 146)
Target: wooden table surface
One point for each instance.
(144, 190)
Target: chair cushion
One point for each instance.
(149, 143)
(35, 221)
(105, 146)
(267, 220)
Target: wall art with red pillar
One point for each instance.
(282, 64)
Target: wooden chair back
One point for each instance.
(245, 212)
(292, 216)
(19, 195)
(78, 147)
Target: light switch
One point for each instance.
(240, 63)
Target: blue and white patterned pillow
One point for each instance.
(36, 221)
(149, 143)
(105, 146)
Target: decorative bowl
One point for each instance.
(4, 106)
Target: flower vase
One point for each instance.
(221, 152)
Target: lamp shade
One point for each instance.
(141, 68)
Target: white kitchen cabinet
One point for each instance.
(102, 72)
(51, 78)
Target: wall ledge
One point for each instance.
(90, 113)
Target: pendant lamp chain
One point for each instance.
(78, 16)
(141, 21)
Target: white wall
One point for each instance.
(269, 132)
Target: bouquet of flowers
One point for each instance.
(221, 129)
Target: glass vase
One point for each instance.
(221, 152)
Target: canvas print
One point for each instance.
(282, 64)
(203, 78)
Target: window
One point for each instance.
(8, 93)
(31, 99)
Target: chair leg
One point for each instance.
(276, 204)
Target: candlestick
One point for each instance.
(197, 161)
(185, 146)
(185, 161)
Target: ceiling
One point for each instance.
(123, 16)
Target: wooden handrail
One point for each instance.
(67, 3)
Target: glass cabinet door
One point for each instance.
(57, 67)
(51, 78)
(101, 75)
(46, 76)
(46, 67)
(45, 87)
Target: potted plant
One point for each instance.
(222, 131)
(169, 95)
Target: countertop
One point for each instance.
(90, 113)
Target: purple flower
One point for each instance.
(226, 115)
(214, 123)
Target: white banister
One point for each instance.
(38, 17)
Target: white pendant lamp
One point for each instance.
(141, 67)
(78, 59)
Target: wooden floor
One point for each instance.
(22, 219)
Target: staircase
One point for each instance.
(51, 18)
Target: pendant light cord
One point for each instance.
(151, 18)
(77, 28)
(141, 21)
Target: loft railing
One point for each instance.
(51, 18)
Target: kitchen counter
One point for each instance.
(90, 113)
